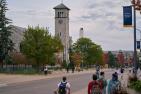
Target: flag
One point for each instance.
(127, 16)
(138, 44)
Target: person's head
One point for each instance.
(116, 73)
(130, 71)
(101, 73)
(64, 79)
(94, 77)
(114, 77)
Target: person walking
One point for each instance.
(45, 70)
(94, 86)
(102, 82)
(97, 71)
(114, 84)
(63, 87)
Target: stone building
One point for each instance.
(62, 28)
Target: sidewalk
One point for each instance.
(11, 78)
(124, 83)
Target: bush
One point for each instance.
(134, 83)
(26, 71)
(132, 79)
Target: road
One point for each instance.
(47, 86)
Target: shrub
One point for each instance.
(134, 83)
(132, 79)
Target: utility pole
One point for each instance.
(135, 51)
(136, 6)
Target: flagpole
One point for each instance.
(135, 51)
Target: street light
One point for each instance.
(136, 6)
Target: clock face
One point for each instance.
(60, 21)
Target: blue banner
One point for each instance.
(138, 44)
(127, 16)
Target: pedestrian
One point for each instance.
(114, 84)
(121, 71)
(94, 86)
(73, 67)
(68, 68)
(102, 82)
(45, 70)
(63, 87)
(97, 71)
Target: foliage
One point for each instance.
(76, 58)
(89, 51)
(64, 64)
(132, 79)
(136, 85)
(40, 46)
(6, 44)
(112, 59)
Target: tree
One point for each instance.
(90, 52)
(120, 57)
(56, 46)
(40, 46)
(112, 59)
(6, 44)
(76, 58)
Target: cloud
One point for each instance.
(101, 19)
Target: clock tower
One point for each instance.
(62, 28)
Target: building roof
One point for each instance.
(61, 6)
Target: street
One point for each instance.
(47, 86)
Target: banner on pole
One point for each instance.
(138, 44)
(127, 16)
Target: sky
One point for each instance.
(102, 20)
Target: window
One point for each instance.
(60, 14)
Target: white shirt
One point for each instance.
(67, 86)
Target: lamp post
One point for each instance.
(135, 51)
(136, 6)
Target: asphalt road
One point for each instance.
(47, 86)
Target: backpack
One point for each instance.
(96, 88)
(115, 87)
(62, 88)
(101, 83)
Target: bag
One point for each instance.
(101, 83)
(62, 88)
(115, 87)
(96, 88)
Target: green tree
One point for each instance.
(90, 52)
(112, 59)
(55, 46)
(40, 46)
(6, 44)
